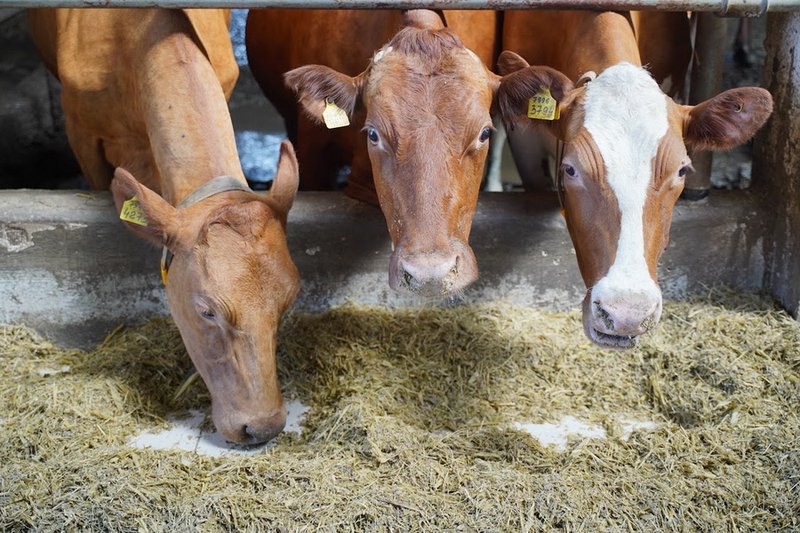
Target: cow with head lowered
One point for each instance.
(144, 96)
(624, 156)
(422, 101)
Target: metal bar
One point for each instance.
(723, 7)
(709, 60)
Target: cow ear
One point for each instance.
(728, 119)
(520, 82)
(510, 62)
(315, 85)
(144, 211)
(284, 185)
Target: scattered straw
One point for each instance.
(410, 427)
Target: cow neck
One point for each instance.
(190, 130)
(210, 188)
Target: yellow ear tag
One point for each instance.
(334, 116)
(543, 106)
(132, 212)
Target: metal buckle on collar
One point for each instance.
(208, 189)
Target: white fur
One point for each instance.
(380, 53)
(626, 115)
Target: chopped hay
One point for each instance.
(411, 426)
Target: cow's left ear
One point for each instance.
(317, 86)
(520, 82)
(728, 119)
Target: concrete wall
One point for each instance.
(71, 270)
(777, 160)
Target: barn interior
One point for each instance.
(413, 413)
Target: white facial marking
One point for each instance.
(626, 115)
(380, 53)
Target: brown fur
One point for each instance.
(145, 91)
(428, 99)
(727, 120)
(279, 40)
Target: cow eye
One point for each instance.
(207, 313)
(372, 135)
(685, 170)
(485, 133)
(569, 170)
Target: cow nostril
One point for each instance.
(603, 316)
(259, 435)
(454, 270)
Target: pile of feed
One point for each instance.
(416, 424)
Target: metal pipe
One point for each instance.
(722, 7)
(709, 60)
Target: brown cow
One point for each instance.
(624, 157)
(145, 91)
(423, 99)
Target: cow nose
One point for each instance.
(626, 316)
(264, 429)
(420, 269)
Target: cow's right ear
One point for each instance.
(146, 213)
(520, 82)
(284, 185)
(317, 86)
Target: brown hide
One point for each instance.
(144, 91)
(575, 42)
(279, 40)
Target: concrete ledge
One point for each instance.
(69, 268)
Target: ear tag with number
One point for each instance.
(543, 106)
(132, 212)
(334, 116)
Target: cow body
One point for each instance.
(624, 155)
(144, 92)
(423, 99)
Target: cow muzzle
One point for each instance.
(436, 273)
(617, 320)
(249, 429)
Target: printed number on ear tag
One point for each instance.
(334, 116)
(543, 106)
(132, 212)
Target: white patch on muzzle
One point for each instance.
(626, 115)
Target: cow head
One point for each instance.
(623, 168)
(427, 102)
(229, 283)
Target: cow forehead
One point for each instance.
(625, 112)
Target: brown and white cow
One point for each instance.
(423, 100)
(145, 91)
(624, 156)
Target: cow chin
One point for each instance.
(434, 274)
(592, 329)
